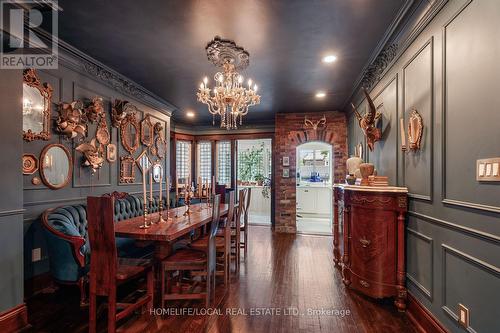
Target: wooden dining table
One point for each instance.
(165, 234)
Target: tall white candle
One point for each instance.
(144, 187)
(151, 186)
(161, 180)
(167, 190)
(403, 134)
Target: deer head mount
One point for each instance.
(315, 125)
(368, 122)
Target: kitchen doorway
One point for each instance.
(314, 188)
(255, 172)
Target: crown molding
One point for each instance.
(71, 57)
(398, 37)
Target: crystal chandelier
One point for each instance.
(229, 98)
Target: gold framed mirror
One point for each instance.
(147, 131)
(37, 103)
(56, 166)
(129, 132)
(127, 170)
(143, 161)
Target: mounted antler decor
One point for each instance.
(314, 125)
(368, 122)
(72, 121)
(415, 130)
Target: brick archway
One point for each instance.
(290, 133)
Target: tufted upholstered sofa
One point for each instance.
(65, 230)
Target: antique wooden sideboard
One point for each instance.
(371, 251)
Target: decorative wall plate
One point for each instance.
(30, 164)
(127, 169)
(111, 153)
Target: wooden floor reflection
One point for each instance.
(287, 284)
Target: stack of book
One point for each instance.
(378, 181)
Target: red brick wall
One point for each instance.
(291, 132)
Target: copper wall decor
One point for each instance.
(95, 109)
(36, 181)
(37, 104)
(72, 121)
(415, 130)
(102, 133)
(129, 132)
(368, 122)
(127, 170)
(111, 153)
(30, 164)
(314, 124)
(160, 147)
(92, 153)
(147, 131)
(56, 166)
(120, 110)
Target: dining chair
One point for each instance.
(222, 243)
(107, 272)
(244, 226)
(236, 231)
(191, 260)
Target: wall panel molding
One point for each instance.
(478, 263)
(428, 123)
(427, 292)
(444, 198)
(457, 227)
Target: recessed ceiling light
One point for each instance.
(329, 58)
(190, 114)
(320, 94)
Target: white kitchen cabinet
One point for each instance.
(314, 200)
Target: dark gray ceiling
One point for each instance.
(161, 45)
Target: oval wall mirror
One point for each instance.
(56, 166)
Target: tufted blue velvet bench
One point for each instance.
(65, 230)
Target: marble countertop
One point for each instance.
(372, 188)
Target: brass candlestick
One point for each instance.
(187, 200)
(160, 213)
(145, 219)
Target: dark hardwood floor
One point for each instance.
(292, 275)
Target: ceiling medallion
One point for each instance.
(229, 98)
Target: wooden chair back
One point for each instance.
(248, 196)
(103, 255)
(241, 208)
(212, 249)
(229, 220)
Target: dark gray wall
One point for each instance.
(11, 203)
(72, 81)
(450, 75)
